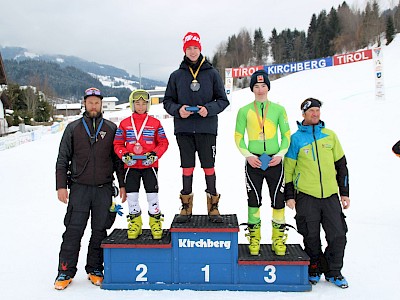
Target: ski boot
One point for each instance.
(254, 237)
(96, 277)
(156, 225)
(134, 225)
(314, 274)
(339, 281)
(186, 211)
(62, 281)
(212, 208)
(279, 238)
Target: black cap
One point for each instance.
(259, 76)
(308, 103)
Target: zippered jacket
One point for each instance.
(211, 95)
(92, 161)
(152, 139)
(315, 163)
(247, 120)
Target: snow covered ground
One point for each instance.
(31, 218)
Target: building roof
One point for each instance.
(110, 99)
(69, 106)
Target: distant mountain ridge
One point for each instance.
(21, 54)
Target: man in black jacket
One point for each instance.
(85, 164)
(195, 95)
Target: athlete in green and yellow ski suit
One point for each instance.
(261, 119)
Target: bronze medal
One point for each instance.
(261, 122)
(137, 148)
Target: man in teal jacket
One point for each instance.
(315, 170)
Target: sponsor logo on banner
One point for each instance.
(299, 66)
(228, 72)
(379, 85)
(246, 71)
(284, 68)
(204, 243)
(352, 57)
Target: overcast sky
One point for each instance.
(129, 33)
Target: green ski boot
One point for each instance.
(156, 225)
(254, 237)
(279, 238)
(134, 225)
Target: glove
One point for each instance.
(151, 158)
(117, 208)
(128, 160)
(115, 191)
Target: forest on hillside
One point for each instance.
(342, 29)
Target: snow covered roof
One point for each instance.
(110, 99)
(69, 106)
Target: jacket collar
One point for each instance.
(311, 128)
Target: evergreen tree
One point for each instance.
(333, 30)
(43, 109)
(20, 103)
(277, 47)
(322, 41)
(299, 46)
(259, 46)
(311, 38)
(396, 17)
(390, 32)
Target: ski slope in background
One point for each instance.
(31, 217)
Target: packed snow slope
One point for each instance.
(31, 218)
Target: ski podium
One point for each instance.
(200, 255)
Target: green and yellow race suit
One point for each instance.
(262, 139)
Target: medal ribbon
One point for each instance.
(261, 123)
(198, 69)
(138, 135)
(94, 137)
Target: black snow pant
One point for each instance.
(254, 182)
(85, 200)
(313, 212)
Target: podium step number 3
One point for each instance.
(200, 255)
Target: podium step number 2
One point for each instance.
(200, 255)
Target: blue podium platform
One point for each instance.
(200, 255)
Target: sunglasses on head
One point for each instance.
(310, 102)
(92, 92)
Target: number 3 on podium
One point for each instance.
(271, 277)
